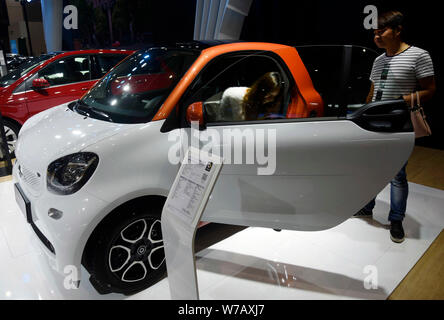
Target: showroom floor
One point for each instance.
(256, 263)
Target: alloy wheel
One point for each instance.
(11, 139)
(137, 250)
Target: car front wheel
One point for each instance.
(129, 254)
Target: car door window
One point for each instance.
(241, 88)
(102, 63)
(67, 70)
(325, 67)
(359, 83)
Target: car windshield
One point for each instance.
(134, 91)
(23, 69)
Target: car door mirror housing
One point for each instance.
(195, 112)
(40, 83)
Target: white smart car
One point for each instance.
(92, 176)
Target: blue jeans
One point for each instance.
(399, 191)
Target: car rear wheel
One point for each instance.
(11, 132)
(129, 255)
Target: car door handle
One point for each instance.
(397, 113)
(84, 89)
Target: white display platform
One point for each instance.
(255, 263)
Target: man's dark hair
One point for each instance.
(391, 19)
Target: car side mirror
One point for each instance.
(40, 83)
(195, 112)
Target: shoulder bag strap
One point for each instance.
(417, 99)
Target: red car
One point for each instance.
(48, 81)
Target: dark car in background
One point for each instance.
(14, 61)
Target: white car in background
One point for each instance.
(92, 176)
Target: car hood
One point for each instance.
(59, 131)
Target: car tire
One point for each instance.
(11, 132)
(128, 254)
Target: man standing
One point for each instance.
(403, 69)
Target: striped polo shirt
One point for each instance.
(398, 75)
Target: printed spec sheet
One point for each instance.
(187, 193)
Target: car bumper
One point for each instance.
(67, 235)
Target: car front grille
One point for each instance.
(31, 179)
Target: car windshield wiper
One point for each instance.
(76, 108)
(86, 110)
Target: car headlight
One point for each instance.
(70, 173)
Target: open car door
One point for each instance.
(325, 171)
(318, 171)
